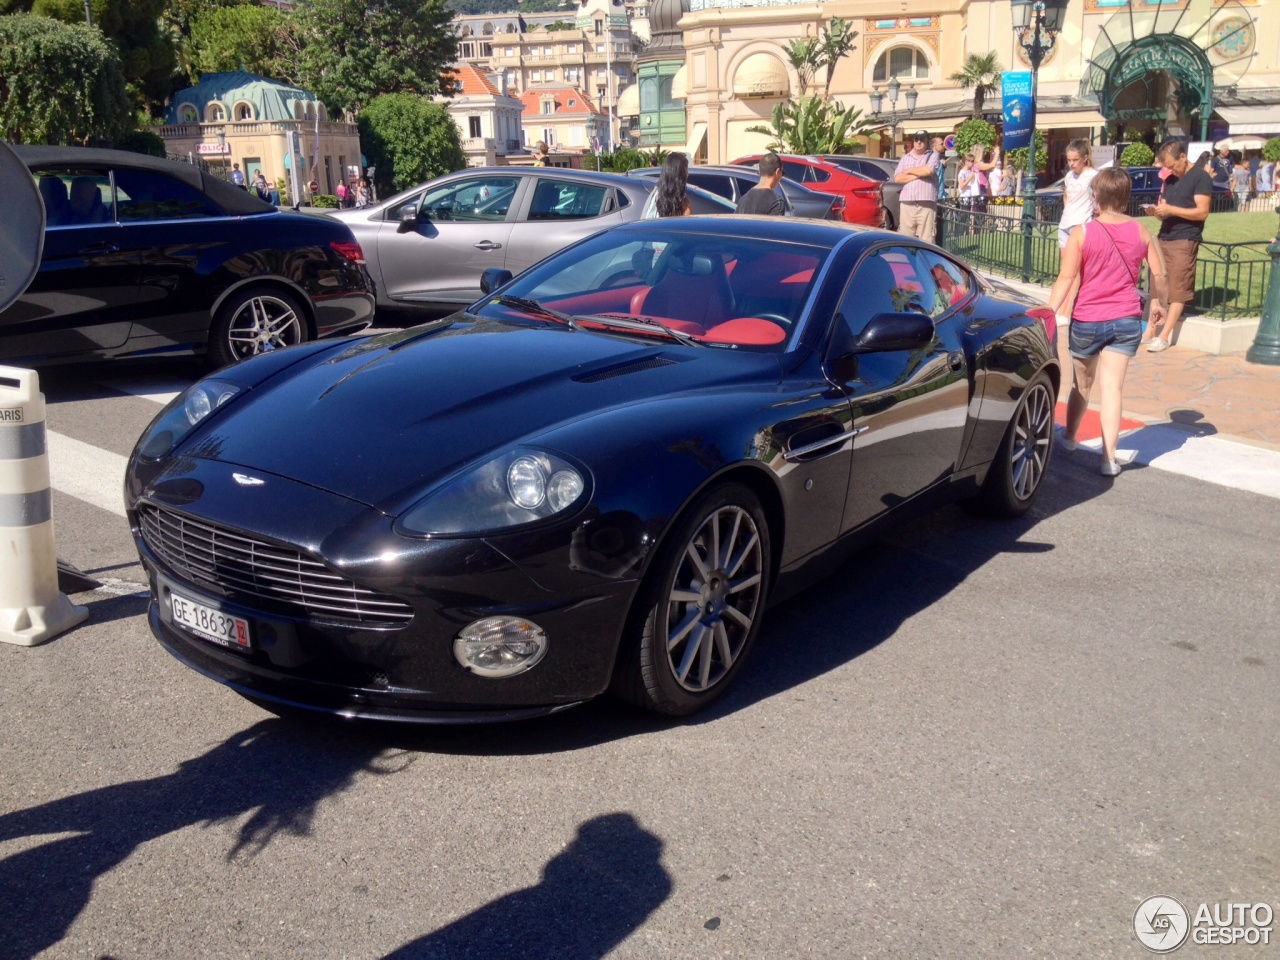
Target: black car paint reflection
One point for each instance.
(780, 440)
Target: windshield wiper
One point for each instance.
(533, 306)
(619, 320)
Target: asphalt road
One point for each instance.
(975, 740)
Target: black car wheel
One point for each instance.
(255, 321)
(1016, 474)
(700, 612)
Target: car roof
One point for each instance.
(822, 233)
(234, 200)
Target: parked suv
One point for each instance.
(1145, 186)
(862, 201)
(880, 170)
(732, 182)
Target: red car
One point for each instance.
(862, 201)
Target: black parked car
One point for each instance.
(143, 255)
(594, 478)
(1145, 184)
(732, 182)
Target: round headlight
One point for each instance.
(527, 483)
(564, 488)
(500, 646)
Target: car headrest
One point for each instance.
(694, 265)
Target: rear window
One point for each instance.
(716, 183)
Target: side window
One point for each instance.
(795, 171)
(566, 200)
(886, 281)
(75, 198)
(951, 282)
(473, 199)
(818, 175)
(718, 185)
(142, 195)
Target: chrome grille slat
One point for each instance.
(248, 568)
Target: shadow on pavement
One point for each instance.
(592, 897)
(275, 771)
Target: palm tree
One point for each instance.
(837, 42)
(983, 74)
(804, 54)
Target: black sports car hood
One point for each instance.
(383, 420)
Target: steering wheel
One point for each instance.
(775, 317)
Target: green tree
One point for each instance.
(225, 38)
(982, 73)
(142, 141)
(974, 133)
(59, 83)
(148, 52)
(836, 43)
(813, 125)
(409, 139)
(1137, 155)
(804, 55)
(350, 51)
(1271, 150)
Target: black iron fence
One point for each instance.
(1231, 278)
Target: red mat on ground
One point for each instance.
(1091, 425)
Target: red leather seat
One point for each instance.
(693, 288)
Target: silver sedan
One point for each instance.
(428, 246)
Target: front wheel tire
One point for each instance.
(698, 615)
(256, 321)
(1016, 475)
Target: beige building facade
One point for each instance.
(1121, 69)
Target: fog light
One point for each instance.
(500, 646)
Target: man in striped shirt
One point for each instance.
(918, 172)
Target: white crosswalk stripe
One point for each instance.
(87, 472)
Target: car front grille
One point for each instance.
(248, 568)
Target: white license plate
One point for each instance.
(210, 624)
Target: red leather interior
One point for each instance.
(613, 300)
(747, 331)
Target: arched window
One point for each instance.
(487, 30)
(215, 113)
(187, 113)
(904, 63)
(243, 110)
(466, 31)
(324, 111)
(298, 109)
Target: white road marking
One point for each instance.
(87, 472)
(159, 390)
(1227, 463)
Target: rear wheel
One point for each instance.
(699, 613)
(1018, 471)
(255, 321)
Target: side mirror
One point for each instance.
(894, 331)
(408, 218)
(493, 278)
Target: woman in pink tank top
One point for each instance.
(1106, 254)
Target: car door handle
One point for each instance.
(487, 245)
(956, 360)
(96, 249)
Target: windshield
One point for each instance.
(729, 291)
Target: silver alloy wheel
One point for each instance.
(714, 599)
(263, 323)
(1032, 436)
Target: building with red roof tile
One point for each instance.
(488, 119)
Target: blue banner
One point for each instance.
(1019, 109)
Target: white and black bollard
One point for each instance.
(32, 609)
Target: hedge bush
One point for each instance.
(1271, 150)
(1137, 155)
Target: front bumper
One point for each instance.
(403, 671)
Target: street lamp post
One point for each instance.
(1037, 24)
(877, 101)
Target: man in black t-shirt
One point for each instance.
(763, 197)
(1182, 210)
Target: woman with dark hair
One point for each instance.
(670, 192)
(1106, 256)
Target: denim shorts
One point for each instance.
(1119, 336)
